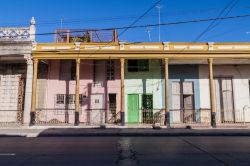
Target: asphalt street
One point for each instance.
(124, 151)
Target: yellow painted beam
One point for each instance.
(122, 61)
(148, 55)
(78, 61)
(167, 115)
(212, 97)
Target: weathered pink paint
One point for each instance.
(57, 86)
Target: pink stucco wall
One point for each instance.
(56, 86)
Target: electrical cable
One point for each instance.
(152, 25)
(212, 24)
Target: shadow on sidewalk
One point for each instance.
(81, 132)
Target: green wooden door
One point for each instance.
(133, 108)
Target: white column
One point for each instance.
(28, 90)
(32, 29)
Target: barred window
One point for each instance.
(60, 99)
(70, 98)
(147, 101)
(110, 70)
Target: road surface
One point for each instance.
(125, 151)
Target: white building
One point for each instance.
(16, 69)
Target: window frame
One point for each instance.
(138, 65)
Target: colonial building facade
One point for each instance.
(90, 78)
(90, 82)
(16, 71)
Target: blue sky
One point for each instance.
(118, 13)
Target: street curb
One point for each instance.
(115, 132)
(143, 134)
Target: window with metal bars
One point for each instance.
(110, 70)
(60, 99)
(147, 101)
(68, 98)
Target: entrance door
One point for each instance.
(9, 103)
(133, 108)
(20, 99)
(97, 107)
(147, 105)
(112, 108)
(188, 102)
(224, 102)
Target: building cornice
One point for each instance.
(174, 50)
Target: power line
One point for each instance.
(89, 20)
(139, 18)
(151, 25)
(211, 25)
(133, 23)
(231, 8)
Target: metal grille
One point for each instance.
(85, 36)
(231, 116)
(200, 116)
(110, 70)
(150, 116)
(55, 116)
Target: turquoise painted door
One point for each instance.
(133, 108)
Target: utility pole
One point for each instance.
(62, 22)
(148, 30)
(159, 20)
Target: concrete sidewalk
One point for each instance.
(81, 132)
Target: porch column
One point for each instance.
(33, 101)
(77, 92)
(122, 93)
(167, 115)
(212, 99)
(28, 90)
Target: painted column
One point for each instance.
(212, 99)
(122, 93)
(78, 61)
(28, 90)
(167, 115)
(33, 101)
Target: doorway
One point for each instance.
(133, 108)
(224, 102)
(112, 108)
(147, 112)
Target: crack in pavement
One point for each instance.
(204, 151)
(126, 154)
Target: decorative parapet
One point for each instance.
(14, 33)
(19, 33)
